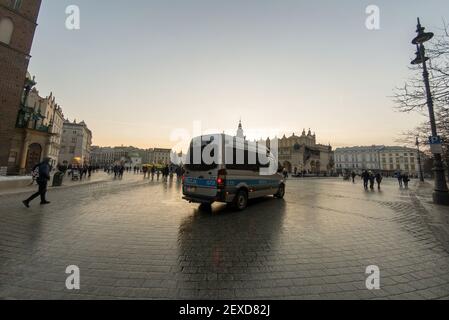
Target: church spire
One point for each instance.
(240, 130)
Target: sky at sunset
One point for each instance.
(138, 70)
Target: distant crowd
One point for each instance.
(78, 172)
(370, 179)
(149, 172)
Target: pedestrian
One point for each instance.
(400, 179)
(152, 173)
(165, 173)
(145, 171)
(42, 180)
(405, 180)
(353, 175)
(372, 179)
(285, 173)
(365, 177)
(378, 179)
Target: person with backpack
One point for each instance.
(42, 179)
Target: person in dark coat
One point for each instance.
(405, 179)
(399, 177)
(378, 179)
(42, 180)
(365, 177)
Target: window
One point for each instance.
(6, 30)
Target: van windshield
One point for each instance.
(195, 162)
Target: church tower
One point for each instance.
(240, 131)
(18, 21)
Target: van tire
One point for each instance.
(241, 200)
(281, 192)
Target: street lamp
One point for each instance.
(421, 176)
(441, 192)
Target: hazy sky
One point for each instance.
(138, 69)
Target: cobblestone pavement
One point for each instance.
(140, 240)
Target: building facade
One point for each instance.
(160, 156)
(17, 27)
(37, 133)
(302, 154)
(106, 156)
(388, 159)
(76, 143)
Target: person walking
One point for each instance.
(152, 173)
(42, 180)
(372, 179)
(365, 177)
(285, 173)
(166, 173)
(400, 179)
(405, 180)
(378, 179)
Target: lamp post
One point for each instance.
(441, 192)
(421, 175)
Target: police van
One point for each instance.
(222, 168)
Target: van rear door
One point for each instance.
(200, 179)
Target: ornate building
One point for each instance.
(17, 26)
(301, 154)
(38, 131)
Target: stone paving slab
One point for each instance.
(140, 240)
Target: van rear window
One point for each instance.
(199, 165)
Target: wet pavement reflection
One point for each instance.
(138, 239)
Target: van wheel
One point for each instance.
(281, 192)
(241, 200)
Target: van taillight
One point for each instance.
(221, 178)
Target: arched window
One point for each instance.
(6, 29)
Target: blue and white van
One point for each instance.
(222, 168)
